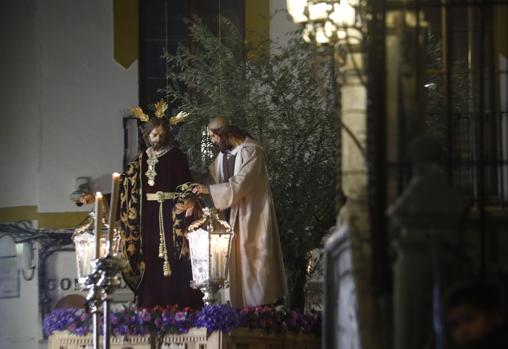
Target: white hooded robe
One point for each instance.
(256, 271)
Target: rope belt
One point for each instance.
(161, 196)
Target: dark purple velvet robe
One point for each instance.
(156, 289)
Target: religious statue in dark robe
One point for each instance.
(159, 268)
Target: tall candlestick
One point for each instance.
(113, 207)
(97, 228)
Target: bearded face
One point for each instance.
(220, 141)
(157, 137)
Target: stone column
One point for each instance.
(351, 319)
(428, 214)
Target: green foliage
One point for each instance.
(206, 79)
(286, 101)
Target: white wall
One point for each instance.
(65, 95)
(62, 96)
(280, 22)
(83, 93)
(19, 96)
(20, 327)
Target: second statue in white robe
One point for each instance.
(256, 271)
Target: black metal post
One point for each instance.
(447, 84)
(376, 145)
(106, 322)
(101, 285)
(479, 141)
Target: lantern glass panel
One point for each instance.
(352, 35)
(296, 9)
(308, 32)
(343, 14)
(319, 11)
(219, 251)
(84, 254)
(321, 37)
(200, 254)
(330, 29)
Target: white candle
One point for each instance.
(219, 260)
(97, 228)
(113, 207)
(220, 246)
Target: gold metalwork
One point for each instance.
(150, 173)
(138, 113)
(160, 108)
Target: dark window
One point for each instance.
(163, 26)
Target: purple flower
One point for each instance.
(114, 319)
(171, 319)
(121, 330)
(81, 331)
(180, 316)
(217, 317)
(145, 316)
(158, 323)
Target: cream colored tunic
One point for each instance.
(257, 273)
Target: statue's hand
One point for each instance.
(186, 206)
(179, 208)
(86, 198)
(200, 189)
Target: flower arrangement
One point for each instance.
(217, 317)
(134, 321)
(76, 321)
(158, 320)
(268, 319)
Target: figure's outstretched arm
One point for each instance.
(243, 182)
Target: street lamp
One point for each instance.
(210, 245)
(328, 21)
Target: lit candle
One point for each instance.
(220, 246)
(222, 260)
(113, 207)
(97, 228)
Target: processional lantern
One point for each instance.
(84, 241)
(99, 260)
(328, 21)
(210, 246)
(94, 240)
